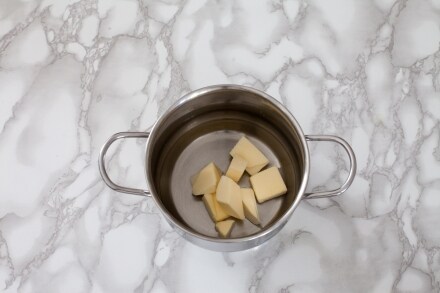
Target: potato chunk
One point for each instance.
(224, 227)
(229, 197)
(236, 168)
(215, 211)
(256, 160)
(206, 180)
(268, 184)
(250, 205)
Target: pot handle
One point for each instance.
(101, 162)
(351, 174)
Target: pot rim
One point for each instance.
(265, 231)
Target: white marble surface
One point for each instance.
(74, 72)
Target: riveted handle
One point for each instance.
(103, 170)
(351, 174)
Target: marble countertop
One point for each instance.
(74, 72)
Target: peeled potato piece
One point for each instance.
(206, 180)
(250, 206)
(229, 197)
(236, 168)
(224, 227)
(268, 184)
(215, 211)
(254, 170)
(256, 160)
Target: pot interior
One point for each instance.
(203, 128)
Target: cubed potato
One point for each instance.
(215, 211)
(206, 180)
(224, 227)
(254, 170)
(268, 184)
(250, 205)
(256, 160)
(229, 197)
(236, 168)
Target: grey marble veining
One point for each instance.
(74, 72)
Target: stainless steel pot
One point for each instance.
(203, 126)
